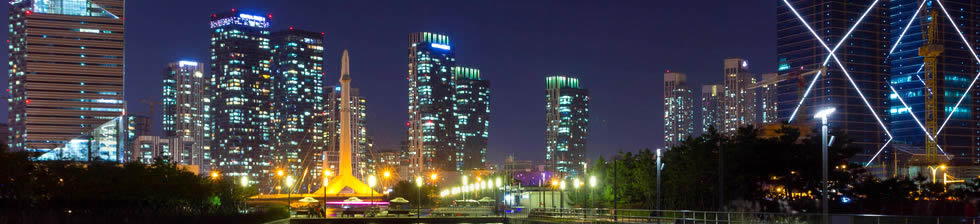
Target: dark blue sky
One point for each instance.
(618, 49)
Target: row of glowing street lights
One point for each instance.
(472, 187)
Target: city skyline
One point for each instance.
(611, 128)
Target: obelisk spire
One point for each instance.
(345, 126)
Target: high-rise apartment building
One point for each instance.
(567, 127)
(360, 143)
(187, 108)
(242, 78)
(948, 77)
(863, 53)
(678, 108)
(175, 150)
(473, 115)
(767, 94)
(136, 125)
(712, 107)
(66, 70)
(739, 99)
(299, 104)
(431, 104)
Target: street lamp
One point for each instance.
(244, 181)
(822, 115)
(659, 155)
(371, 182)
(214, 175)
(592, 183)
(326, 181)
(289, 184)
(561, 198)
(418, 182)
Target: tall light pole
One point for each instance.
(418, 209)
(289, 194)
(372, 181)
(659, 155)
(822, 115)
(244, 188)
(496, 195)
(561, 198)
(326, 181)
(592, 183)
(576, 184)
(543, 203)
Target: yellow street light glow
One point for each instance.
(289, 181)
(499, 182)
(592, 181)
(214, 174)
(418, 181)
(387, 174)
(464, 180)
(244, 181)
(325, 173)
(562, 185)
(434, 176)
(577, 183)
(554, 183)
(279, 172)
(372, 181)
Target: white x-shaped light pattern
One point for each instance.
(832, 55)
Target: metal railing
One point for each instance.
(602, 215)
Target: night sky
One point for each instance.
(618, 49)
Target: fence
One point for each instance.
(601, 215)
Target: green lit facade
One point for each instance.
(242, 75)
(473, 115)
(187, 109)
(567, 131)
(432, 136)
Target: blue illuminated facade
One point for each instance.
(955, 71)
(863, 54)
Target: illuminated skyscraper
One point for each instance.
(473, 113)
(739, 100)
(863, 54)
(66, 71)
(187, 108)
(241, 72)
(431, 104)
(678, 108)
(359, 138)
(711, 107)
(955, 69)
(567, 128)
(299, 113)
(767, 98)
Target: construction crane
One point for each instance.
(930, 52)
(152, 105)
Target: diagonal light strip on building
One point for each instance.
(841, 65)
(965, 93)
(932, 136)
(906, 29)
(923, 127)
(831, 54)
